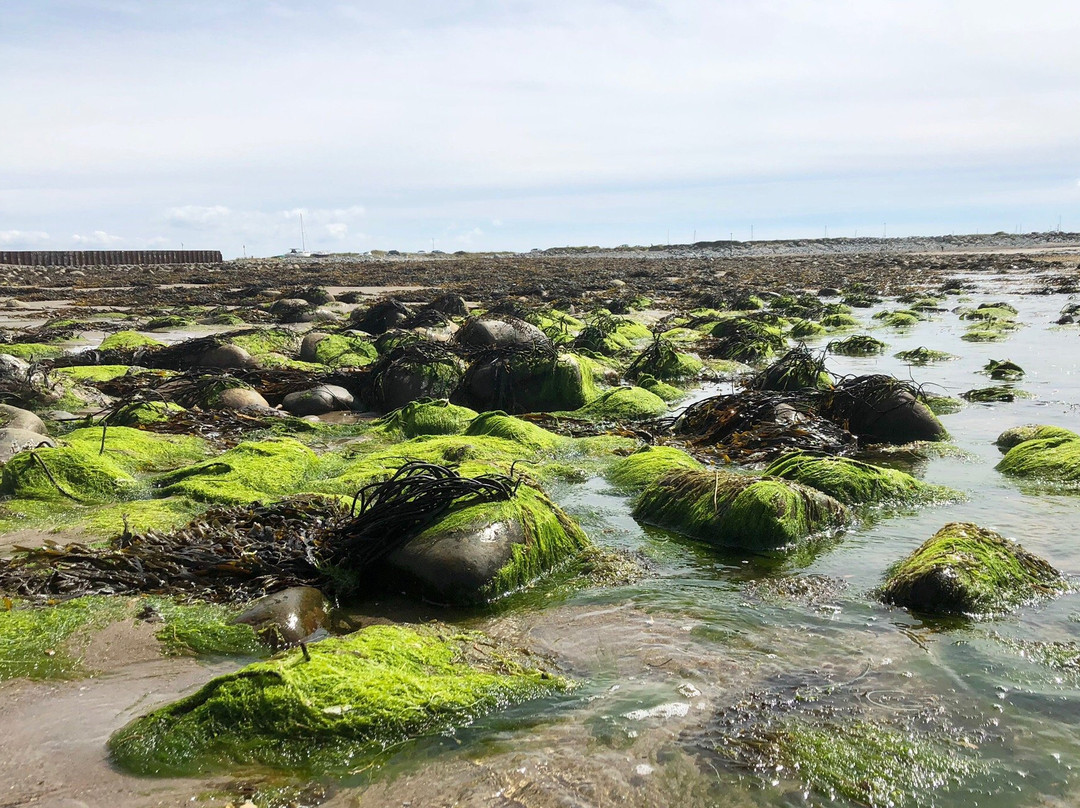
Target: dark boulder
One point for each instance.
(502, 333)
(881, 409)
(286, 617)
(318, 400)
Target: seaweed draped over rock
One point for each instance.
(328, 707)
(737, 510)
(1052, 453)
(854, 482)
(966, 569)
(798, 369)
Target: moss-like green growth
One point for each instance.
(328, 708)
(647, 465)
(684, 336)
(136, 450)
(1018, 434)
(33, 640)
(985, 395)
(1047, 458)
(898, 319)
(736, 510)
(804, 329)
(941, 405)
(869, 764)
(138, 516)
(1003, 370)
(858, 345)
(204, 629)
(995, 313)
(622, 404)
(261, 341)
(667, 392)
(500, 425)
(966, 569)
(855, 483)
(128, 341)
(340, 351)
(839, 321)
(923, 356)
(661, 361)
(1059, 656)
(169, 322)
(253, 471)
(30, 351)
(94, 373)
(145, 412)
(67, 474)
(426, 417)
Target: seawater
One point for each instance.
(662, 659)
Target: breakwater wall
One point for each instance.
(97, 258)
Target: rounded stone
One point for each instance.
(18, 418)
(501, 333)
(286, 617)
(227, 356)
(13, 441)
(318, 400)
(238, 398)
(293, 310)
(309, 345)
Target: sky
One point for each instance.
(483, 125)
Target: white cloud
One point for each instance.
(99, 238)
(469, 236)
(337, 230)
(197, 216)
(21, 238)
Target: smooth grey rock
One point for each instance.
(324, 314)
(238, 398)
(456, 566)
(293, 310)
(227, 356)
(318, 400)
(286, 617)
(18, 418)
(490, 333)
(13, 441)
(309, 344)
(11, 367)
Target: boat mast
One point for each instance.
(303, 243)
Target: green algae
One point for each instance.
(498, 424)
(736, 510)
(136, 450)
(31, 351)
(1053, 654)
(667, 392)
(1003, 370)
(35, 640)
(1001, 313)
(128, 341)
(137, 516)
(967, 570)
(1047, 458)
(94, 373)
(339, 351)
(261, 341)
(169, 322)
(662, 361)
(645, 466)
(65, 474)
(940, 405)
(426, 417)
(145, 412)
(853, 482)
(923, 356)
(1018, 434)
(329, 707)
(204, 629)
(839, 321)
(253, 471)
(804, 329)
(798, 369)
(622, 404)
(898, 319)
(871, 764)
(857, 345)
(987, 395)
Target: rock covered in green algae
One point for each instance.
(1018, 434)
(923, 356)
(66, 473)
(987, 395)
(857, 345)
(497, 424)
(354, 697)
(737, 510)
(966, 569)
(1003, 370)
(253, 471)
(484, 551)
(622, 404)
(1052, 453)
(634, 472)
(426, 417)
(128, 341)
(854, 482)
